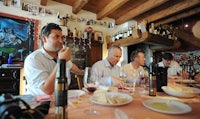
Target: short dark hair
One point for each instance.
(135, 53)
(46, 30)
(167, 56)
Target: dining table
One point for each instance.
(78, 106)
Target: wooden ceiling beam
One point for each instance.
(139, 10)
(78, 5)
(43, 2)
(179, 16)
(171, 10)
(109, 8)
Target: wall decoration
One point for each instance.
(18, 36)
(33, 9)
(25, 6)
(7, 3)
(16, 3)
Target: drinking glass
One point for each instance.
(122, 77)
(68, 75)
(91, 83)
(142, 82)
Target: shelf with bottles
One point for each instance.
(162, 31)
(185, 60)
(146, 37)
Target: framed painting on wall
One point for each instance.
(18, 36)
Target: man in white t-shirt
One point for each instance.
(174, 69)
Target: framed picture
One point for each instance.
(7, 2)
(16, 3)
(98, 36)
(18, 36)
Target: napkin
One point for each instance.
(119, 114)
(42, 97)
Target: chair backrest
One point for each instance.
(87, 74)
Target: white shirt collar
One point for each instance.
(42, 50)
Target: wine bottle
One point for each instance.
(75, 32)
(152, 78)
(1, 58)
(60, 92)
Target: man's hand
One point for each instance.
(117, 82)
(64, 53)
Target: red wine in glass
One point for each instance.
(91, 89)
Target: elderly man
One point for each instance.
(135, 70)
(174, 69)
(40, 66)
(107, 70)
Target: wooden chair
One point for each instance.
(79, 79)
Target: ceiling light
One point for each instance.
(186, 25)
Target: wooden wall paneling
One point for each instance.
(94, 54)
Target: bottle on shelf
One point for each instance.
(60, 92)
(152, 78)
(1, 58)
(10, 59)
(152, 28)
(75, 32)
(124, 34)
(130, 31)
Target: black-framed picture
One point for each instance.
(18, 36)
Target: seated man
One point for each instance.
(40, 66)
(174, 69)
(134, 69)
(107, 70)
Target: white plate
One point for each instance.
(173, 107)
(110, 95)
(75, 93)
(169, 91)
(185, 81)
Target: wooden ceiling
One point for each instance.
(158, 11)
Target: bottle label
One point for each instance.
(60, 112)
(60, 95)
(152, 85)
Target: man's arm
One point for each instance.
(76, 70)
(48, 86)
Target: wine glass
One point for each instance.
(91, 83)
(91, 80)
(142, 82)
(122, 77)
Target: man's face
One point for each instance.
(140, 58)
(54, 41)
(114, 56)
(166, 62)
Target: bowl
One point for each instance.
(181, 91)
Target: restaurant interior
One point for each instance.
(90, 28)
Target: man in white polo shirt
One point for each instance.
(40, 66)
